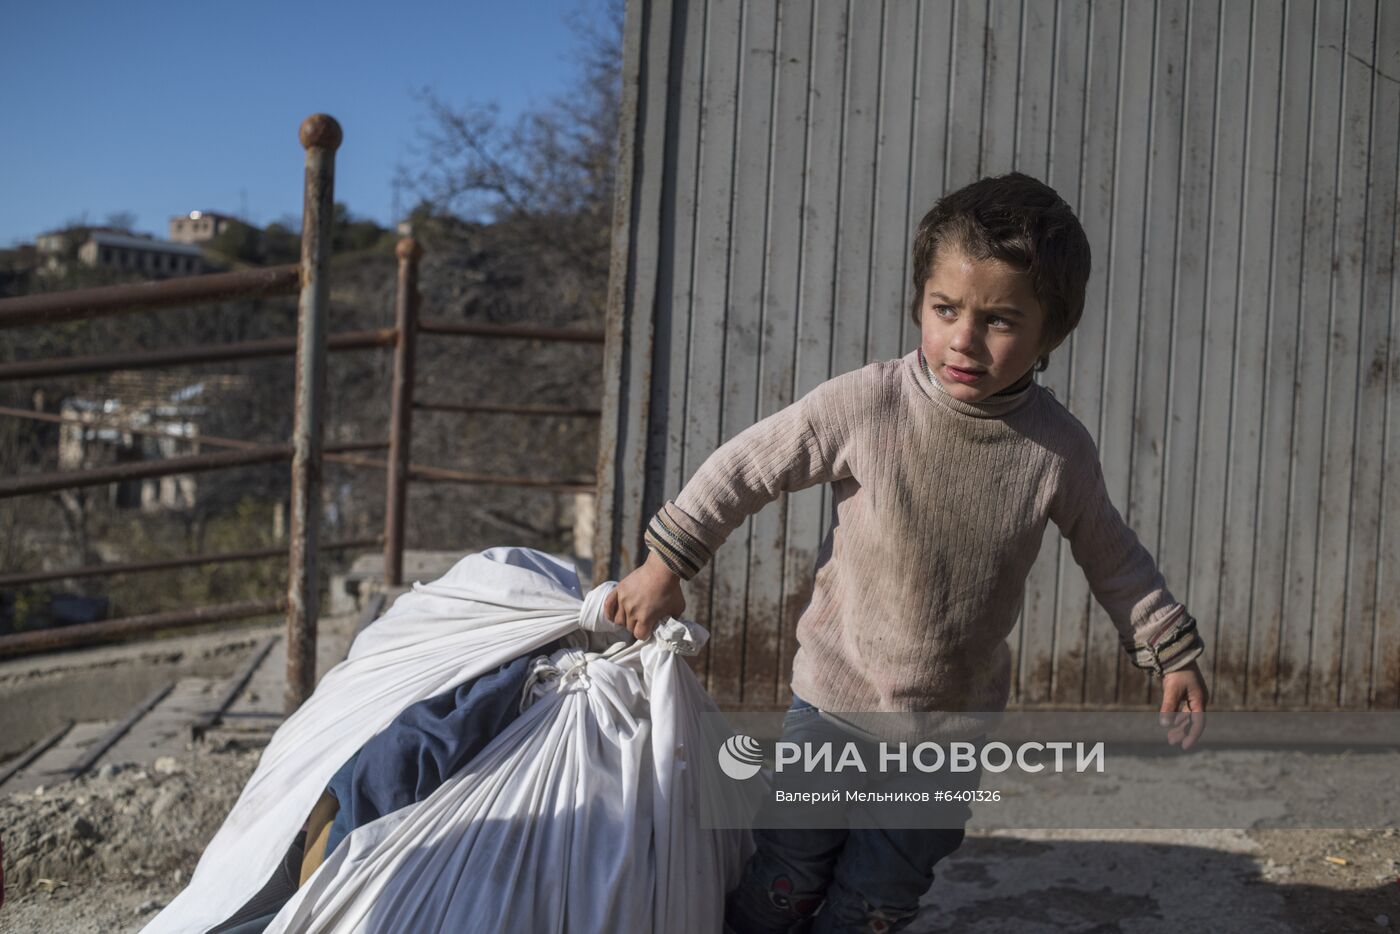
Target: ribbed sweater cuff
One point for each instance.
(1176, 647)
(682, 552)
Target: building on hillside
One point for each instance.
(155, 402)
(113, 248)
(54, 242)
(199, 226)
(155, 258)
(56, 250)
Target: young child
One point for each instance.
(945, 466)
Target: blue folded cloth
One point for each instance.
(426, 745)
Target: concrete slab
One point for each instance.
(52, 767)
(1134, 882)
(165, 730)
(105, 683)
(349, 590)
(259, 709)
(39, 693)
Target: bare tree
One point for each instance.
(515, 216)
(536, 191)
(121, 220)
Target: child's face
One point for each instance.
(982, 324)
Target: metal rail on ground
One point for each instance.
(209, 719)
(110, 738)
(31, 754)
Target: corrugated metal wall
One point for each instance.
(1235, 166)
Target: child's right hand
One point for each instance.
(645, 597)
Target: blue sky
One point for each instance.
(160, 108)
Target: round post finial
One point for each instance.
(408, 250)
(321, 130)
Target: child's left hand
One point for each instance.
(1184, 695)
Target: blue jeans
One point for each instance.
(861, 879)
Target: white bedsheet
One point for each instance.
(583, 815)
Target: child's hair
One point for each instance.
(1025, 224)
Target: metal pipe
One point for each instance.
(81, 304)
(401, 408)
(522, 332)
(66, 637)
(490, 408)
(214, 441)
(31, 755)
(175, 356)
(444, 475)
(109, 570)
(321, 136)
(354, 460)
(27, 484)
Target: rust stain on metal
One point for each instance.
(443, 474)
(213, 441)
(726, 671)
(1385, 692)
(1375, 372)
(486, 408)
(1036, 686)
(108, 570)
(175, 356)
(321, 131)
(1228, 675)
(103, 301)
(759, 680)
(321, 135)
(194, 463)
(44, 640)
(511, 331)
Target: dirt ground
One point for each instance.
(1167, 880)
(104, 853)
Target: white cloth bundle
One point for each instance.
(583, 815)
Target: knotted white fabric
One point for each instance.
(592, 617)
(681, 638)
(581, 816)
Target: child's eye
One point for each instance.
(944, 311)
(999, 322)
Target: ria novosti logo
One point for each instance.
(740, 757)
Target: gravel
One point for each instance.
(106, 852)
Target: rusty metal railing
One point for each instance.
(82, 304)
(181, 356)
(409, 325)
(320, 136)
(170, 564)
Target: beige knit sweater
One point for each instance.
(940, 506)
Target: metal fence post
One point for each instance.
(321, 136)
(401, 414)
